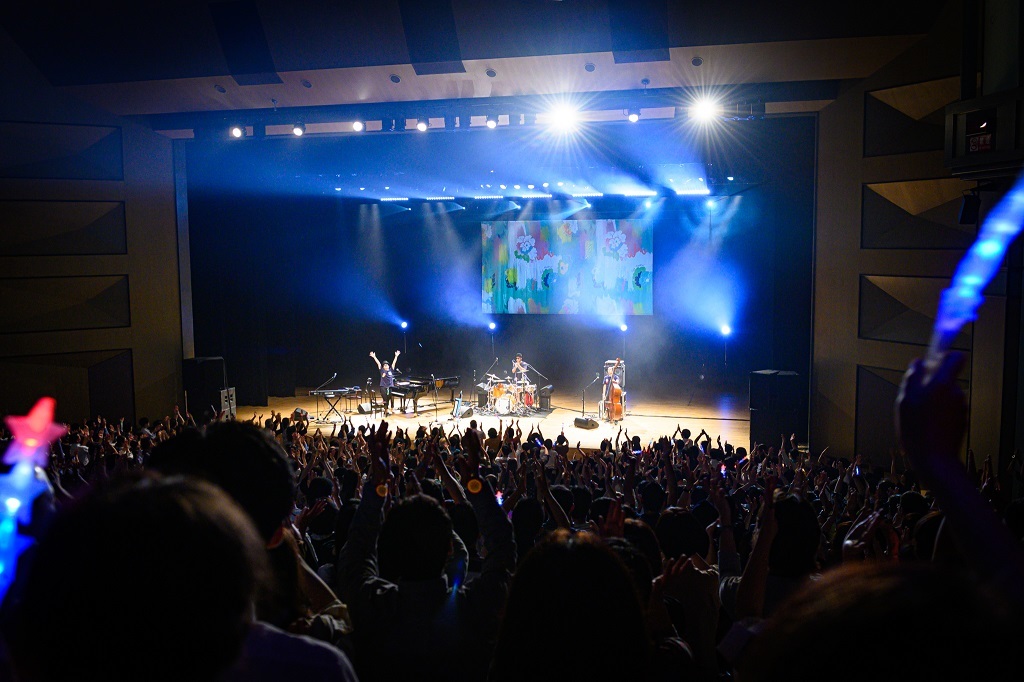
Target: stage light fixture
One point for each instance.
(705, 110)
(358, 126)
(492, 326)
(564, 118)
(422, 125)
(492, 121)
(726, 330)
(299, 129)
(633, 115)
(405, 325)
(237, 131)
(647, 204)
(623, 328)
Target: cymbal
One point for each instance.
(492, 376)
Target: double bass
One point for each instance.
(613, 396)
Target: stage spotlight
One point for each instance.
(492, 326)
(492, 122)
(358, 126)
(726, 330)
(564, 118)
(299, 129)
(422, 125)
(237, 131)
(704, 110)
(623, 328)
(633, 115)
(405, 325)
(647, 204)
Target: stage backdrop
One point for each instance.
(601, 267)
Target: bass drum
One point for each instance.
(503, 405)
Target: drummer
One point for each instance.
(519, 369)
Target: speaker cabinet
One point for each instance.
(204, 379)
(585, 423)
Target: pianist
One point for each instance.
(387, 378)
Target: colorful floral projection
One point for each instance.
(601, 267)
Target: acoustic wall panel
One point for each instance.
(908, 118)
(59, 228)
(902, 309)
(44, 304)
(915, 214)
(60, 151)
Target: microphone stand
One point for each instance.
(583, 412)
(316, 393)
(434, 382)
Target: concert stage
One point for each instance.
(719, 411)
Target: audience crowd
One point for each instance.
(234, 549)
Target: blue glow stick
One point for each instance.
(19, 487)
(960, 301)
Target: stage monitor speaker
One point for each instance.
(544, 401)
(364, 408)
(585, 423)
(466, 411)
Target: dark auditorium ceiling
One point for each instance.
(170, 60)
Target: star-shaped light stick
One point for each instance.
(19, 488)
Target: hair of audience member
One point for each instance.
(652, 497)
(415, 539)
(924, 534)
(243, 461)
(527, 520)
(576, 586)
(466, 526)
(582, 498)
(148, 578)
(432, 488)
(910, 621)
(564, 497)
(348, 483)
(644, 539)
(638, 565)
(679, 532)
(913, 502)
(343, 522)
(599, 508)
(794, 550)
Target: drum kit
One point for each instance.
(506, 396)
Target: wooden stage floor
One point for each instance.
(719, 411)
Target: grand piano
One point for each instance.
(408, 390)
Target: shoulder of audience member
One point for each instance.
(273, 654)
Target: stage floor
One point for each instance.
(720, 411)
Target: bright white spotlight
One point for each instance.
(237, 131)
(623, 327)
(564, 118)
(634, 115)
(704, 110)
(492, 122)
(358, 126)
(421, 125)
(491, 326)
(405, 325)
(299, 129)
(647, 204)
(726, 330)
(710, 203)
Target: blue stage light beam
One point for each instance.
(959, 303)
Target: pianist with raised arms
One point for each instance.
(387, 378)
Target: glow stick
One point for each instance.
(19, 487)
(960, 301)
